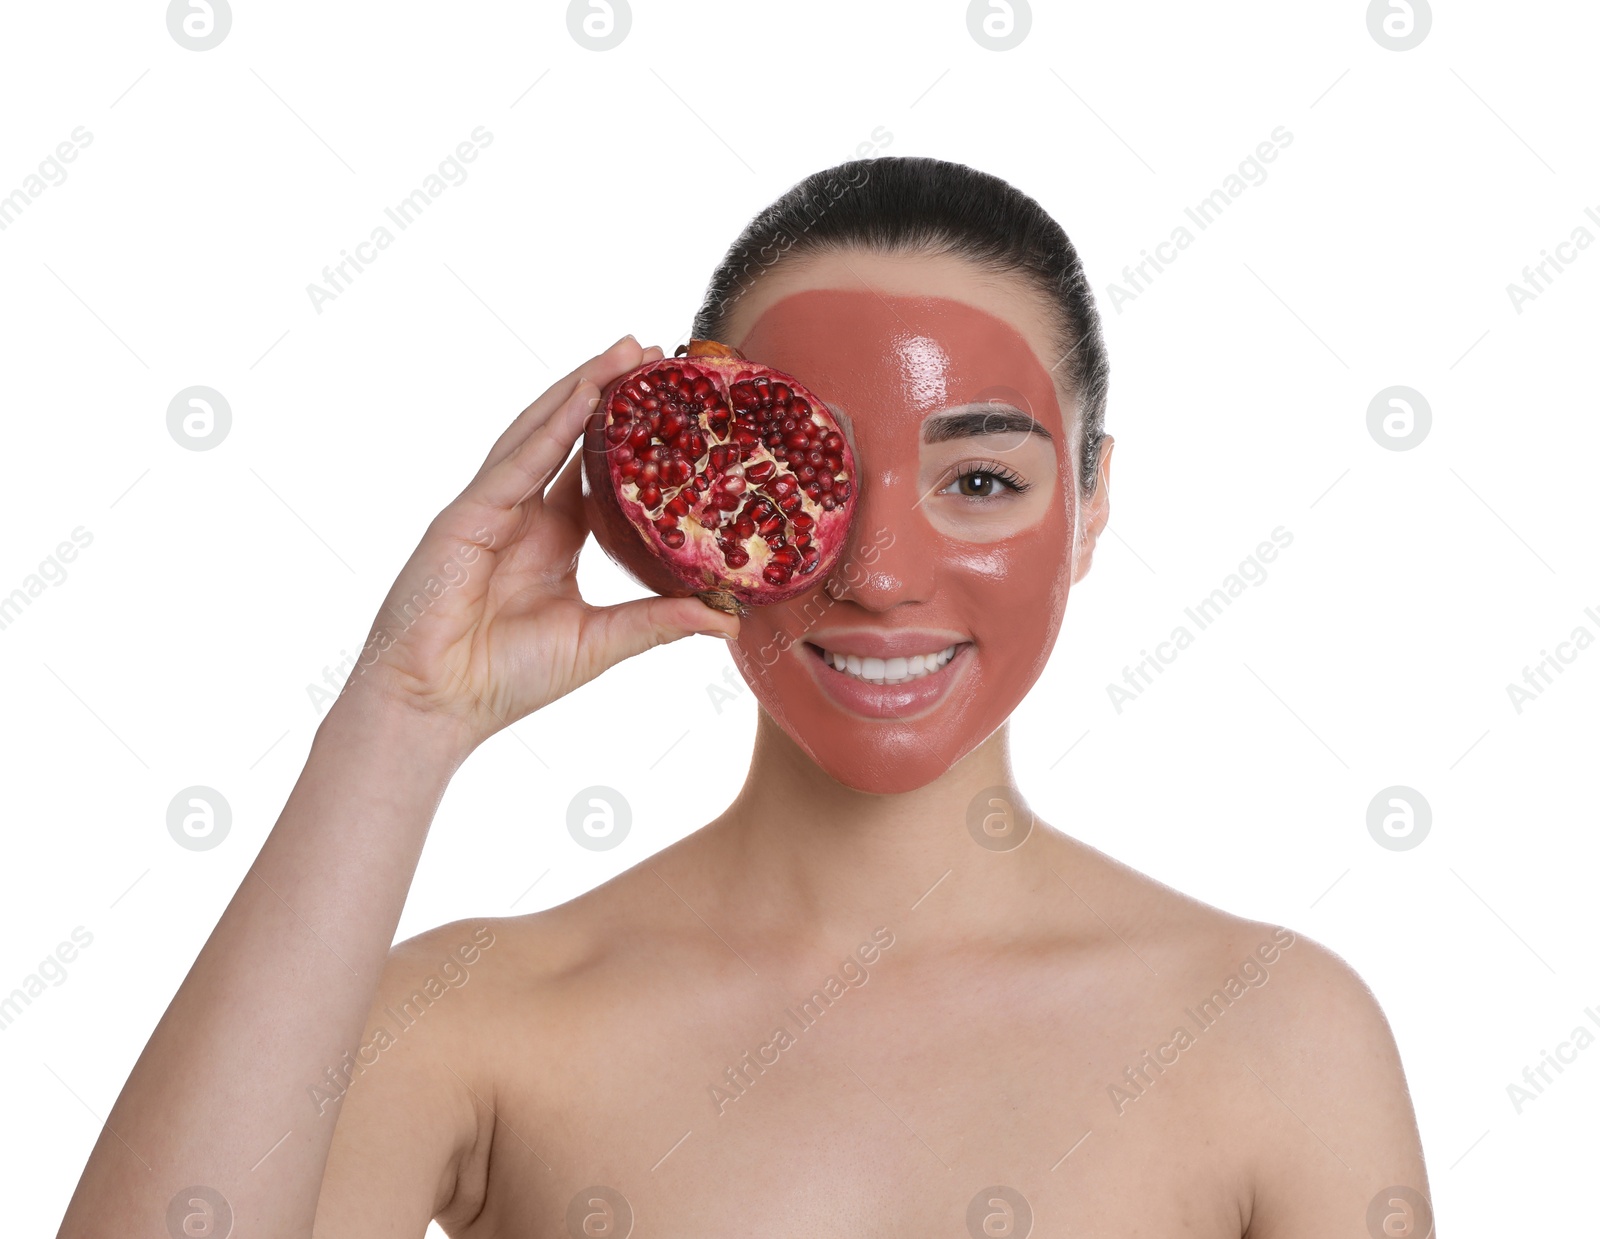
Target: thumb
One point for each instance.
(630, 628)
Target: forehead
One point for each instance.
(919, 334)
(937, 276)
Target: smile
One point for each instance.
(899, 670)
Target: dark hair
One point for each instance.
(920, 205)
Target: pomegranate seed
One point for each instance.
(760, 471)
(673, 538)
(841, 489)
(780, 392)
(725, 501)
(815, 458)
(796, 441)
(787, 556)
(833, 461)
(787, 425)
(783, 486)
(833, 442)
(824, 482)
(629, 472)
(622, 453)
(776, 574)
(618, 432)
(678, 505)
(703, 386)
(791, 503)
(814, 489)
(803, 520)
(807, 474)
(828, 502)
(722, 455)
(649, 494)
(736, 556)
(650, 473)
(639, 436)
(744, 528)
(649, 403)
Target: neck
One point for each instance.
(800, 855)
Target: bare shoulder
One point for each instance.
(1304, 1074)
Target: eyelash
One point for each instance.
(1012, 480)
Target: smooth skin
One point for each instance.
(980, 1050)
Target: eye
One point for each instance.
(979, 481)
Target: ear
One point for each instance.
(1096, 511)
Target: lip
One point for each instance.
(892, 701)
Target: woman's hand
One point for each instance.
(484, 625)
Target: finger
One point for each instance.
(600, 369)
(628, 628)
(528, 467)
(563, 501)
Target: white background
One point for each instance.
(1377, 252)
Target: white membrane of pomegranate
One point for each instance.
(736, 478)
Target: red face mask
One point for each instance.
(928, 565)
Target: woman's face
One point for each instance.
(968, 532)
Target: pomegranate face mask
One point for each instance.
(947, 601)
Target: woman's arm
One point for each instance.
(218, 1099)
(483, 626)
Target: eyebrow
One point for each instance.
(977, 420)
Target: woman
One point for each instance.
(873, 996)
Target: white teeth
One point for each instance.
(898, 670)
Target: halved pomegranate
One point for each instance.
(713, 476)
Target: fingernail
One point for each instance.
(625, 339)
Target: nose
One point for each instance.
(892, 556)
